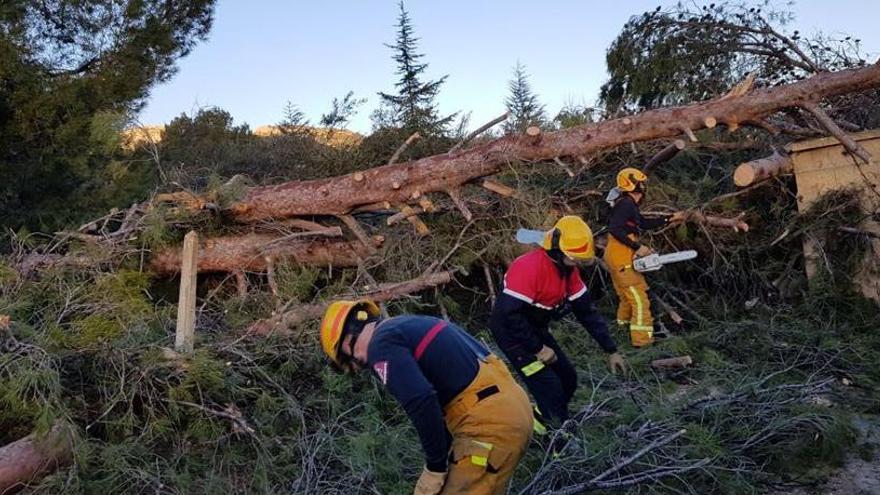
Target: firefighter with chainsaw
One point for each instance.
(541, 286)
(624, 250)
(474, 421)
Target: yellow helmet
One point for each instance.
(629, 178)
(334, 321)
(574, 238)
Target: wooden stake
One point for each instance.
(186, 307)
(710, 122)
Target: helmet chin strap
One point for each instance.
(556, 254)
(355, 335)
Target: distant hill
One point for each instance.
(136, 136)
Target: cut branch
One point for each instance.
(665, 154)
(283, 322)
(455, 196)
(828, 123)
(342, 194)
(410, 140)
(498, 188)
(564, 166)
(483, 128)
(356, 229)
(737, 223)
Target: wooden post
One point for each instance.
(186, 306)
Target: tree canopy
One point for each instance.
(69, 71)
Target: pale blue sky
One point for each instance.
(263, 53)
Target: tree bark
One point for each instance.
(399, 182)
(34, 456)
(748, 173)
(283, 322)
(249, 252)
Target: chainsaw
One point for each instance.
(654, 262)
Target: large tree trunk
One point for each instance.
(32, 457)
(254, 252)
(402, 182)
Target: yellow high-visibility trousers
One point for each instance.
(632, 293)
(491, 424)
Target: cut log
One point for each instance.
(27, 460)
(665, 154)
(748, 173)
(341, 195)
(533, 135)
(248, 252)
(672, 363)
(282, 323)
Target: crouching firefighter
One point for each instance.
(474, 421)
(540, 286)
(625, 224)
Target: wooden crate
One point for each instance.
(823, 165)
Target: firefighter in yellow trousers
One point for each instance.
(474, 421)
(624, 226)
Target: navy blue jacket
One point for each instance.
(626, 219)
(425, 362)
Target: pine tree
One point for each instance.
(522, 103)
(413, 107)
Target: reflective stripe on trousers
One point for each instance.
(489, 436)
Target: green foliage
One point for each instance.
(70, 73)
(694, 51)
(522, 103)
(413, 107)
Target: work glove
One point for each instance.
(546, 355)
(643, 251)
(430, 482)
(616, 363)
